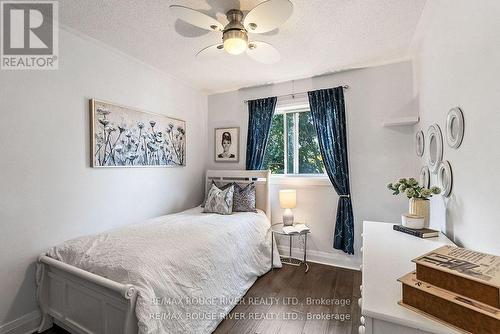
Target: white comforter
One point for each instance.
(190, 268)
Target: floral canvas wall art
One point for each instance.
(124, 137)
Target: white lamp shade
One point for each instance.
(288, 199)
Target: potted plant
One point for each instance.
(418, 196)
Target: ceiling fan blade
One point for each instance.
(268, 16)
(263, 52)
(211, 51)
(196, 18)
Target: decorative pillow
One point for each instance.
(244, 198)
(221, 186)
(219, 201)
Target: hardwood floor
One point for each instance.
(289, 301)
(55, 330)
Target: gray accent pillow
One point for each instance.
(221, 186)
(244, 197)
(219, 201)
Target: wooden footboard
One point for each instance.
(82, 302)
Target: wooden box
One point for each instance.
(462, 313)
(471, 274)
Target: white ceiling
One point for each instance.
(321, 36)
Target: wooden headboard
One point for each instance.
(261, 179)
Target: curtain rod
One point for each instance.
(293, 94)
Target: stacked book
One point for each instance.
(421, 232)
(456, 286)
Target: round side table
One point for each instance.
(277, 229)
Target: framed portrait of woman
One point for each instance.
(227, 144)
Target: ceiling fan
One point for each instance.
(265, 17)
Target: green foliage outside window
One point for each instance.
(303, 155)
(275, 155)
(310, 161)
(290, 140)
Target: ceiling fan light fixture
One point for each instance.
(266, 16)
(235, 41)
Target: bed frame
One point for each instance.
(85, 303)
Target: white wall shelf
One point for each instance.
(401, 121)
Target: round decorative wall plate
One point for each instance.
(445, 178)
(420, 143)
(455, 127)
(435, 147)
(425, 177)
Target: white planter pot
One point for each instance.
(412, 221)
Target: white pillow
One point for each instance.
(219, 201)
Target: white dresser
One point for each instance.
(387, 255)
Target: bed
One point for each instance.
(179, 273)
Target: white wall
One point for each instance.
(377, 155)
(457, 63)
(48, 192)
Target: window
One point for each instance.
(293, 145)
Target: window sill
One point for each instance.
(301, 180)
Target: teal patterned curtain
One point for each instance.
(260, 116)
(328, 111)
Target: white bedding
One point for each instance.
(190, 268)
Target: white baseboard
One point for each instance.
(329, 259)
(26, 324)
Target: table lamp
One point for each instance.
(288, 201)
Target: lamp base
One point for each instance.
(288, 217)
